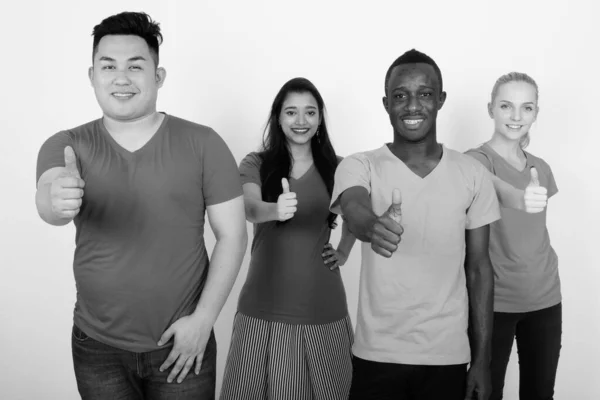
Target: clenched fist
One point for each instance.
(286, 203)
(536, 196)
(66, 190)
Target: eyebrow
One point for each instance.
(420, 88)
(135, 58)
(294, 107)
(510, 102)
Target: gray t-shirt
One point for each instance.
(525, 264)
(287, 279)
(140, 260)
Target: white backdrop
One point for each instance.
(225, 62)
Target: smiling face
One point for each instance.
(125, 78)
(413, 100)
(299, 118)
(514, 109)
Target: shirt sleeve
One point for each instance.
(484, 208)
(483, 158)
(352, 171)
(250, 169)
(52, 153)
(220, 177)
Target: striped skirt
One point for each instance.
(276, 361)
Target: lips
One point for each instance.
(413, 122)
(301, 131)
(514, 127)
(123, 95)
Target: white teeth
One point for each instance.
(412, 121)
(300, 130)
(514, 126)
(122, 94)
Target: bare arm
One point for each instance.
(356, 207)
(257, 210)
(229, 226)
(347, 239)
(480, 287)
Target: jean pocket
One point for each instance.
(78, 334)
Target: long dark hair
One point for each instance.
(275, 155)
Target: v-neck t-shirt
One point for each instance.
(287, 279)
(140, 260)
(525, 264)
(413, 307)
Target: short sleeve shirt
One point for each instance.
(413, 307)
(140, 261)
(525, 264)
(287, 280)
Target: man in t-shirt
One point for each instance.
(422, 212)
(137, 183)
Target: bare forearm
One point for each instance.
(480, 286)
(347, 239)
(508, 195)
(359, 218)
(44, 207)
(258, 211)
(225, 262)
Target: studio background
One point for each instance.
(225, 61)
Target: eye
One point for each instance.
(136, 67)
(426, 94)
(290, 113)
(399, 96)
(529, 108)
(105, 67)
(312, 113)
(504, 106)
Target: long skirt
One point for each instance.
(276, 361)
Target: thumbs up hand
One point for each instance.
(536, 196)
(66, 190)
(286, 203)
(387, 230)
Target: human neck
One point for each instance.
(145, 125)
(426, 149)
(508, 149)
(301, 152)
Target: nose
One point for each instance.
(413, 104)
(301, 120)
(121, 78)
(515, 115)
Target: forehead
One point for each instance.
(516, 92)
(122, 46)
(302, 99)
(409, 75)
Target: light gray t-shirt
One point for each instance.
(525, 264)
(287, 279)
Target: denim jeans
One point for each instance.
(386, 381)
(538, 335)
(104, 372)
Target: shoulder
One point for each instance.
(537, 162)
(183, 126)
(465, 164)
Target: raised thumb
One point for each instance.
(395, 210)
(285, 185)
(535, 179)
(71, 161)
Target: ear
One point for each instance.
(490, 110)
(442, 100)
(384, 99)
(161, 75)
(91, 75)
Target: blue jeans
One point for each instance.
(538, 335)
(104, 372)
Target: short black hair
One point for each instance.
(413, 57)
(130, 23)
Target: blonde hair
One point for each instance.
(516, 77)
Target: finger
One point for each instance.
(328, 253)
(285, 185)
(71, 161)
(72, 182)
(395, 210)
(331, 259)
(171, 358)
(291, 201)
(382, 252)
(199, 364)
(69, 193)
(186, 368)
(176, 368)
(166, 336)
(384, 244)
(287, 216)
(334, 267)
(539, 190)
(389, 229)
(69, 213)
(535, 179)
(70, 205)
